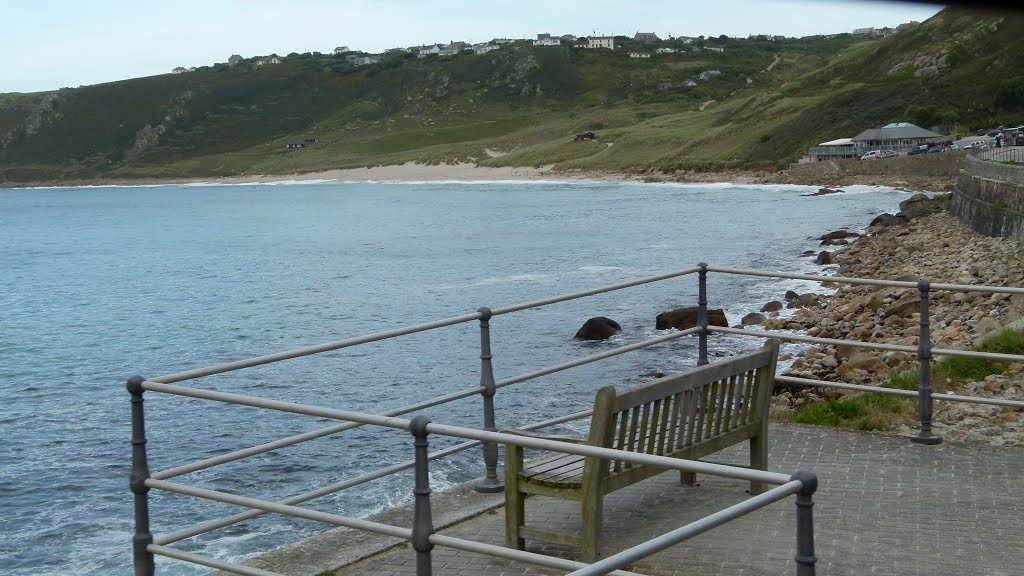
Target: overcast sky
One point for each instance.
(49, 44)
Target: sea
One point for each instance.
(98, 284)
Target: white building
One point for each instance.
(341, 50)
(547, 42)
(601, 42)
(665, 50)
(639, 54)
(179, 70)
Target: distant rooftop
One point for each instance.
(896, 131)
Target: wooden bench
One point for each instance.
(687, 415)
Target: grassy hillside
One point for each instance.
(521, 104)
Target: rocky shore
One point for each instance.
(923, 241)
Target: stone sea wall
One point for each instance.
(989, 197)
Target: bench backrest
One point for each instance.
(670, 415)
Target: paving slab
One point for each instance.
(883, 506)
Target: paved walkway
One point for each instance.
(884, 506)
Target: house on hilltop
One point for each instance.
(595, 42)
(547, 40)
(709, 74)
(646, 37)
(235, 59)
(341, 50)
(179, 70)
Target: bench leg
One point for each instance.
(687, 478)
(515, 501)
(593, 506)
(758, 460)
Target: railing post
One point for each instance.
(423, 523)
(490, 482)
(805, 558)
(702, 314)
(924, 358)
(143, 558)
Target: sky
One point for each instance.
(50, 44)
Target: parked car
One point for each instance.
(919, 149)
(977, 144)
(871, 155)
(936, 149)
(981, 131)
(887, 154)
(994, 133)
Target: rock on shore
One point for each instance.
(941, 249)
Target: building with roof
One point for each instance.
(895, 136)
(833, 150)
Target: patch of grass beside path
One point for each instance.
(872, 411)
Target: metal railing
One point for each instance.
(802, 483)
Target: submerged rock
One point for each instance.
(598, 328)
(685, 318)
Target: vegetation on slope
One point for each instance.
(772, 100)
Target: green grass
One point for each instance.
(958, 369)
(857, 411)
(868, 411)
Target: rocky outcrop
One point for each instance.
(933, 246)
(598, 328)
(685, 318)
(920, 205)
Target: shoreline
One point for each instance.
(411, 172)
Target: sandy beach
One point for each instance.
(468, 172)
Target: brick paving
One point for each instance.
(884, 506)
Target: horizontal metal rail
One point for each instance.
(367, 525)
(657, 544)
(898, 392)
(327, 431)
(330, 346)
(594, 358)
(318, 349)
(210, 562)
(474, 434)
(304, 437)
(982, 355)
(337, 487)
(844, 386)
(868, 281)
(591, 292)
(812, 340)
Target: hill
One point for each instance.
(521, 104)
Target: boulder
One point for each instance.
(839, 235)
(752, 318)
(598, 328)
(791, 295)
(824, 191)
(867, 361)
(773, 306)
(920, 205)
(685, 318)
(903, 309)
(885, 220)
(824, 257)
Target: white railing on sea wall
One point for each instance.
(801, 483)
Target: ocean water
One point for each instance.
(98, 284)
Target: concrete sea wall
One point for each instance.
(947, 164)
(989, 197)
